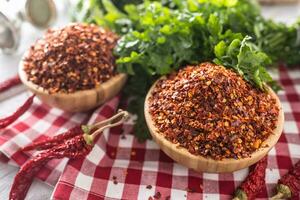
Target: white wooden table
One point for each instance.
(8, 68)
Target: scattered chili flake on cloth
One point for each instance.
(213, 112)
(76, 57)
(91, 178)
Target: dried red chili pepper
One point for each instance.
(58, 139)
(20, 111)
(11, 82)
(289, 185)
(74, 147)
(254, 182)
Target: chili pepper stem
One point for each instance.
(88, 138)
(240, 195)
(278, 196)
(99, 127)
(121, 114)
(283, 192)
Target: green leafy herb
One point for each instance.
(158, 37)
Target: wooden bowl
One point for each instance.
(79, 101)
(202, 164)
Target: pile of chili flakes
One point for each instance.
(213, 112)
(75, 57)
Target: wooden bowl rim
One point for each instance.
(270, 141)
(41, 91)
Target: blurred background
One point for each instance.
(23, 21)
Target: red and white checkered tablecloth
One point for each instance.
(121, 168)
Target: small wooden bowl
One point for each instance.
(202, 164)
(78, 101)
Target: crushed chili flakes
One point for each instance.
(115, 180)
(76, 57)
(133, 153)
(149, 187)
(201, 187)
(191, 190)
(123, 137)
(213, 112)
(112, 154)
(157, 195)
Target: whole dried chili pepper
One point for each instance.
(289, 185)
(20, 111)
(254, 182)
(58, 139)
(11, 82)
(75, 147)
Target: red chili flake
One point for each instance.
(123, 136)
(76, 57)
(9, 83)
(201, 187)
(115, 182)
(133, 153)
(157, 195)
(213, 112)
(112, 154)
(168, 197)
(149, 187)
(114, 178)
(191, 190)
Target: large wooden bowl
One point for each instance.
(202, 164)
(78, 101)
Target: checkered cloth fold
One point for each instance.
(119, 167)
